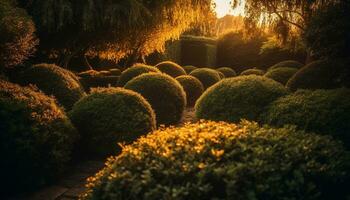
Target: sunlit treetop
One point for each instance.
(112, 29)
(225, 7)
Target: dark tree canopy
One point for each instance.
(111, 29)
(17, 39)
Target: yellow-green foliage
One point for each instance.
(316, 75)
(243, 97)
(207, 76)
(321, 111)
(115, 72)
(36, 138)
(281, 74)
(172, 69)
(193, 88)
(189, 68)
(56, 81)
(228, 72)
(134, 71)
(164, 93)
(253, 72)
(288, 63)
(111, 115)
(216, 160)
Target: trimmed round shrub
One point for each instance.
(56, 81)
(172, 69)
(99, 81)
(281, 74)
(222, 75)
(189, 68)
(105, 73)
(243, 97)
(316, 75)
(36, 138)
(320, 111)
(253, 72)
(193, 88)
(111, 115)
(115, 72)
(134, 71)
(228, 72)
(288, 63)
(164, 93)
(88, 73)
(216, 160)
(207, 76)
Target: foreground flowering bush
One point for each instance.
(217, 160)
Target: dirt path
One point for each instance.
(72, 184)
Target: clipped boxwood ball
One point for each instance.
(189, 68)
(228, 72)
(316, 75)
(253, 72)
(207, 76)
(134, 71)
(164, 93)
(281, 74)
(238, 98)
(88, 73)
(288, 63)
(56, 81)
(222, 75)
(36, 138)
(111, 115)
(216, 160)
(193, 88)
(115, 72)
(321, 111)
(171, 68)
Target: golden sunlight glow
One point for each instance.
(224, 7)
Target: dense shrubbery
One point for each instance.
(165, 94)
(207, 76)
(189, 68)
(115, 72)
(134, 71)
(193, 88)
(36, 138)
(316, 75)
(228, 72)
(172, 69)
(238, 98)
(93, 80)
(321, 111)
(253, 72)
(288, 63)
(111, 115)
(222, 75)
(17, 39)
(281, 74)
(211, 160)
(56, 81)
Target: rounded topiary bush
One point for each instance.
(115, 72)
(105, 73)
(222, 75)
(316, 75)
(165, 94)
(171, 68)
(253, 72)
(134, 71)
(189, 68)
(88, 73)
(288, 63)
(207, 76)
(238, 98)
(56, 81)
(321, 111)
(111, 115)
(281, 74)
(216, 160)
(36, 138)
(228, 72)
(193, 88)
